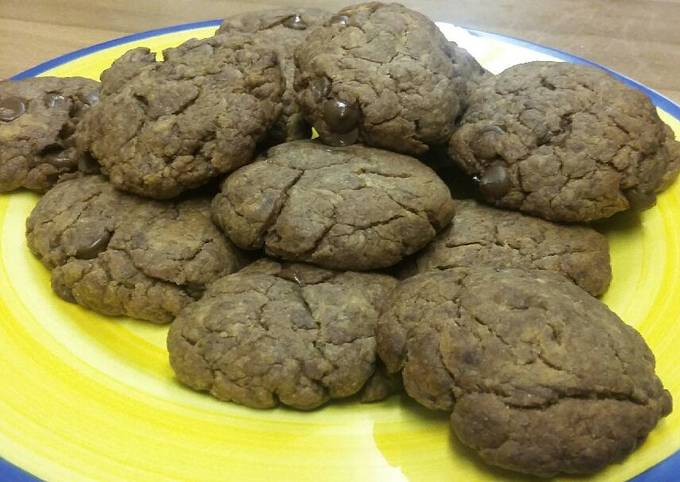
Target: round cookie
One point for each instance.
(166, 127)
(381, 74)
(540, 377)
(352, 208)
(38, 118)
(564, 142)
(284, 29)
(118, 254)
(484, 236)
(271, 333)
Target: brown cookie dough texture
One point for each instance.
(380, 73)
(118, 254)
(282, 29)
(38, 118)
(540, 377)
(352, 208)
(166, 127)
(564, 142)
(484, 236)
(271, 333)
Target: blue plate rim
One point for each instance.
(663, 470)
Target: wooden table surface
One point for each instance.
(640, 38)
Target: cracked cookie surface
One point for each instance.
(482, 236)
(283, 29)
(288, 333)
(379, 73)
(165, 127)
(342, 208)
(564, 142)
(38, 118)
(119, 254)
(540, 377)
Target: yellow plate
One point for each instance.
(85, 397)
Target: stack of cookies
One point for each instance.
(297, 271)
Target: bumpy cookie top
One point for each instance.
(342, 208)
(379, 73)
(540, 376)
(565, 142)
(283, 29)
(38, 118)
(123, 255)
(165, 127)
(273, 333)
(485, 236)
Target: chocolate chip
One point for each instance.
(640, 200)
(62, 160)
(341, 140)
(321, 87)
(53, 99)
(298, 280)
(485, 144)
(295, 22)
(339, 20)
(340, 116)
(94, 248)
(92, 98)
(495, 181)
(11, 108)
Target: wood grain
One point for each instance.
(639, 38)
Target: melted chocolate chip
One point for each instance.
(94, 248)
(640, 200)
(340, 116)
(298, 280)
(485, 144)
(339, 20)
(295, 22)
(53, 99)
(92, 98)
(62, 160)
(341, 140)
(495, 182)
(11, 108)
(321, 87)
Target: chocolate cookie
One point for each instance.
(381, 74)
(283, 29)
(118, 254)
(341, 208)
(166, 127)
(564, 142)
(540, 377)
(38, 117)
(274, 333)
(485, 236)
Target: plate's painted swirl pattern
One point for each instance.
(85, 397)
